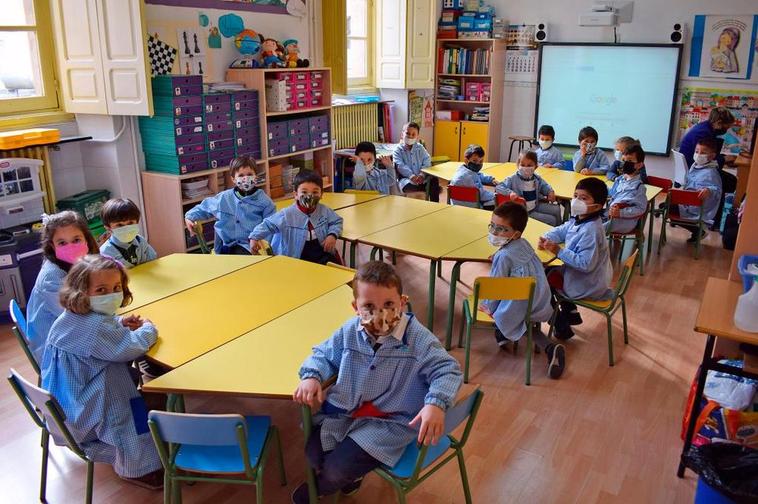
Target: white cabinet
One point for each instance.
(102, 56)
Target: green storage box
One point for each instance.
(97, 230)
(87, 203)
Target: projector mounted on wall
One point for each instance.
(597, 19)
(608, 13)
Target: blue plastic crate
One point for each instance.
(706, 494)
(747, 278)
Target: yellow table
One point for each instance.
(263, 362)
(334, 200)
(445, 171)
(481, 251)
(168, 275)
(367, 218)
(204, 317)
(501, 171)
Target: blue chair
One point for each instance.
(19, 330)
(231, 448)
(49, 416)
(568, 164)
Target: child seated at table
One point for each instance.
(703, 176)
(394, 383)
(586, 271)
(65, 239)
(548, 155)
(628, 196)
(469, 175)
(120, 217)
(515, 257)
(86, 367)
(370, 175)
(620, 155)
(306, 229)
(537, 193)
(237, 210)
(410, 157)
(589, 159)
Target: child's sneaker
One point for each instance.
(151, 481)
(501, 340)
(693, 238)
(556, 360)
(352, 488)
(571, 313)
(300, 495)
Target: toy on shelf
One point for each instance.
(292, 55)
(248, 42)
(271, 54)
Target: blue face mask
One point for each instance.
(107, 304)
(126, 234)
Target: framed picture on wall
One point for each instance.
(724, 47)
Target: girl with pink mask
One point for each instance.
(65, 239)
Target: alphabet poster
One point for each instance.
(724, 47)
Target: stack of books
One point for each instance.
(461, 60)
(449, 89)
(480, 114)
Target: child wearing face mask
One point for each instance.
(410, 157)
(589, 160)
(237, 210)
(516, 258)
(370, 175)
(628, 196)
(537, 193)
(86, 367)
(548, 155)
(586, 272)
(65, 239)
(619, 156)
(703, 177)
(469, 175)
(394, 383)
(306, 229)
(121, 219)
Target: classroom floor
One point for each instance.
(599, 434)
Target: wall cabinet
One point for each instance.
(452, 137)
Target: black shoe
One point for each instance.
(693, 238)
(556, 360)
(571, 313)
(352, 488)
(300, 495)
(564, 333)
(501, 340)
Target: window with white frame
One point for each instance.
(360, 55)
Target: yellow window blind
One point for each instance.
(334, 21)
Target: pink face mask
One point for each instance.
(71, 252)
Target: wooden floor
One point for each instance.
(599, 434)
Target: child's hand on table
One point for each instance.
(133, 322)
(255, 246)
(190, 226)
(703, 194)
(614, 211)
(330, 243)
(417, 179)
(551, 196)
(309, 392)
(432, 420)
(545, 244)
(585, 171)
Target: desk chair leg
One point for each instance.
(372, 256)
(623, 317)
(278, 443)
(464, 475)
(529, 351)
(697, 240)
(439, 269)
(166, 487)
(610, 339)
(309, 472)
(662, 235)
(651, 218)
(43, 470)
(176, 492)
(463, 326)
(394, 258)
(454, 274)
(90, 478)
(259, 485)
(470, 316)
(430, 308)
(353, 247)
(344, 248)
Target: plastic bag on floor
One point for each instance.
(729, 468)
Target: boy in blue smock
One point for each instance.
(537, 194)
(625, 150)
(628, 202)
(86, 367)
(589, 159)
(394, 383)
(586, 272)
(516, 258)
(237, 210)
(372, 174)
(410, 158)
(306, 229)
(548, 155)
(469, 175)
(121, 219)
(703, 176)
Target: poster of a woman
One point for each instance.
(723, 57)
(722, 47)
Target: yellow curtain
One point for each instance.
(334, 30)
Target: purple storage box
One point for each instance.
(245, 114)
(219, 126)
(220, 135)
(277, 130)
(221, 158)
(245, 105)
(318, 124)
(184, 80)
(211, 98)
(214, 145)
(319, 142)
(252, 141)
(247, 132)
(218, 108)
(246, 123)
(188, 90)
(192, 138)
(249, 151)
(218, 117)
(247, 95)
(297, 126)
(188, 130)
(188, 120)
(299, 142)
(186, 101)
(188, 111)
(278, 147)
(190, 149)
(193, 162)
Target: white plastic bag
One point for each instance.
(730, 391)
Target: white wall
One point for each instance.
(652, 23)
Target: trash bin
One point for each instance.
(728, 473)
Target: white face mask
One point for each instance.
(617, 154)
(497, 240)
(526, 171)
(701, 159)
(545, 144)
(126, 234)
(107, 304)
(589, 147)
(410, 141)
(578, 207)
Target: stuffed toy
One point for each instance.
(271, 52)
(291, 56)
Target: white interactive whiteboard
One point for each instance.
(618, 89)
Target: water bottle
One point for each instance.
(746, 312)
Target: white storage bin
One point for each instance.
(21, 209)
(19, 177)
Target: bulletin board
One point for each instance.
(743, 104)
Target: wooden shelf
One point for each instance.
(486, 76)
(443, 40)
(463, 101)
(290, 154)
(298, 111)
(195, 200)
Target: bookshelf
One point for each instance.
(476, 65)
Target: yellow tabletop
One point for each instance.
(445, 171)
(199, 319)
(716, 314)
(481, 250)
(168, 275)
(367, 218)
(564, 182)
(500, 171)
(265, 361)
(334, 200)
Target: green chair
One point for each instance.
(502, 289)
(213, 448)
(418, 463)
(637, 235)
(48, 415)
(606, 307)
(19, 330)
(671, 215)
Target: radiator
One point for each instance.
(355, 123)
(45, 174)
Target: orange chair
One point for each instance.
(467, 194)
(671, 215)
(502, 198)
(665, 185)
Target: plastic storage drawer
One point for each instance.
(215, 145)
(21, 209)
(177, 165)
(177, 85)
(277, 130)
(87, 203)
(221, 158)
